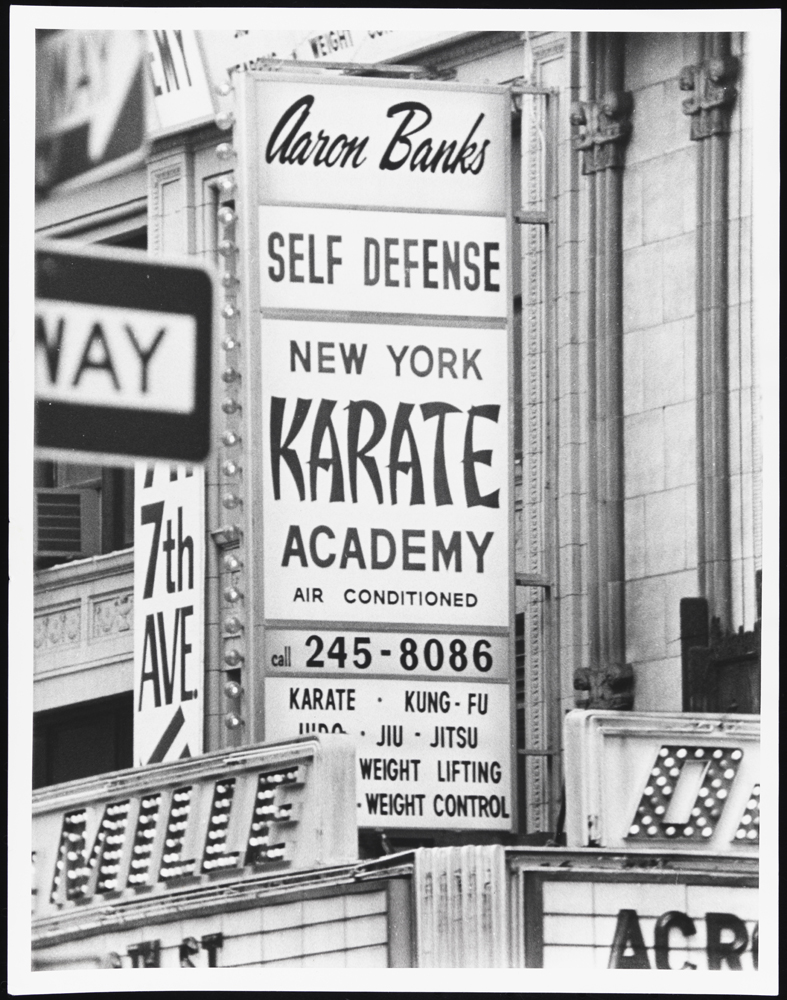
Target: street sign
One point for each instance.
(122, 355)
(90, 104)
(169, 612)
(378, 215)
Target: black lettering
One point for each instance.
(144, 356)
(273, 240)
(51, 349)
(729, 951)
(356, 410)
(442, 492)
(323, 423)
(628, 947)
(484, 457)
(293, 547)
(471, 284)
(400, 428)
(103, 363)
(279, 450)
(489, 266)
(401, 136)
(665, 923)
(321, 529)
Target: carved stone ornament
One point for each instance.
(604, 130)
(713, 93)
(58, 628)
(113, 615)
(613, 689)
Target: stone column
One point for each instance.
(604, 127)
(711, 89)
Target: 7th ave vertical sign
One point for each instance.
(381, 402)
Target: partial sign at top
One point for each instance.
(90, 104)
(402, 148)
(122, 355)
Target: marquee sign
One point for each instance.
(687, 782)
(380, 389)
(141, 834)
(677, 921)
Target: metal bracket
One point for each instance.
(353, 69)
(531, 218)
(532, 580)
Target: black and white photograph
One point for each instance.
(299, 291)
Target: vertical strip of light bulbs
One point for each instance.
(233, 624)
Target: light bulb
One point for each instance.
(232, 721)
(233, 657)
(225, 151)
(227, 248)
(230, 468)
(232, 595)
(230, 343)
(233, 625)
(230, 375)
(229, 438)
(232, 563)
(226, 216)
(229, 311)
(225, 120)
(232, 689)
(230, 405)
(231, 501)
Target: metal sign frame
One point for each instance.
(125, 279)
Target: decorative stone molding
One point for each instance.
(713, 92)
(611, 690)
(112, 615)
(58, 628)
(604, 130)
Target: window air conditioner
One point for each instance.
(67, 523)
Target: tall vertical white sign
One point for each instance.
(379, 218)
(169, 588)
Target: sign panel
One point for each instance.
(683, 781)
(400, 146)
(230, 52)
(641, 921)
(122, 355)
(382, 443)
(90, 104)
(140, 835)
(384, 262)
(169, 603)
(385, 459)
(181, 92)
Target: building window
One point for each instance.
(81, 511)
(81, 740)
